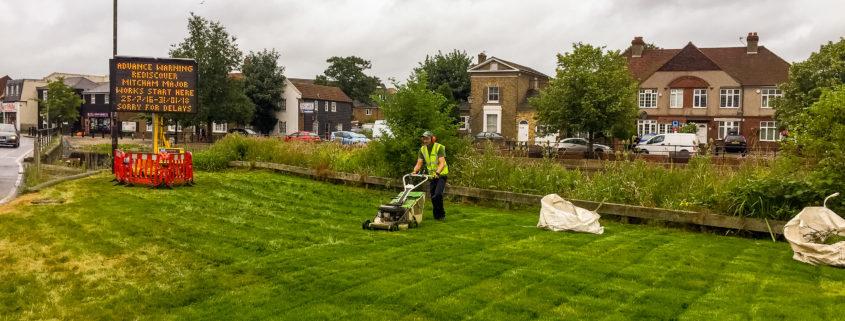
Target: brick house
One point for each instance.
(719, 89)
(498, 102)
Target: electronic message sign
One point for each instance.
(153, 85)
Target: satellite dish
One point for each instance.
(643, 115)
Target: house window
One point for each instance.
(325, 106)
(92, 97)
(767, 95)
(368, 111)
(339, 127)
(150, 126)
(726, 127)
(334, 107)
(219, 128)
(464, 123)
(664, 128)
(493, 94)
(676, 98)
(769, 131)
(648, 98)
(106, 98)
(699, 98)
(729, 98)
(283, 105)
(492, 119)
(44, 95)
(283, 127)
(646, 127)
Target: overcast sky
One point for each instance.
(45, 36)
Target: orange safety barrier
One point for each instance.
(162, 169)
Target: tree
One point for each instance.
(648, 46)
(449, 69)
(62, 103)
(808, 79)
(347, 73)
(593, 93)
(820, 129)
(265, 81)
(689, 128)
(409, 112)
(220, 98)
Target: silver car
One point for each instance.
(9, 135)
(580, 145)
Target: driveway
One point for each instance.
(11, 168)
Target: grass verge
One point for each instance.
(258, 245)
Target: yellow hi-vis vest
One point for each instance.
(431, 162)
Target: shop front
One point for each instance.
(97, 123)
(9, 114)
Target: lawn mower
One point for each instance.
(404, 211)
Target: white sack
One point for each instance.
(807, 230)
(558, 214)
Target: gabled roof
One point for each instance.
(508, 64)
(689, 59)
(312, 91)
(761, 69)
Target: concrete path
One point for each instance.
(11, 168)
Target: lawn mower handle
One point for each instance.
(405, 183)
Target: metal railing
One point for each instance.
(45, 137)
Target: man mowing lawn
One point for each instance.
(434, 155)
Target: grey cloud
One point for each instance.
(395, 35)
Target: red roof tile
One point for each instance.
(312, 91)
(652, 59)
(763, 68)
(689, 59)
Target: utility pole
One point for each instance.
(111, 99)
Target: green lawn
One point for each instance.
(258, 245)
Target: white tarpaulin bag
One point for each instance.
(558, 214)
(807, 231)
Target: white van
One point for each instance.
(670, 144)
(380, 128)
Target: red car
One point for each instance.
(303, 136)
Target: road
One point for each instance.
(11, 168)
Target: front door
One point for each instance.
(702, 133)
(522, 133)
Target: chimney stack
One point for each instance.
(482, 57)
(752, 40)
(637, 46)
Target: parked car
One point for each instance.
(9, 135)
(349, 138)
(670, 144)
(488, 136)
(303, 136)
(242, 131)
(735, 143)
(580, 145)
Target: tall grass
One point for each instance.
(778, 191)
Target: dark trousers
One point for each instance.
(436, 187)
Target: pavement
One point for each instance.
(11, 168)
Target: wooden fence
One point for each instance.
(621, 210)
